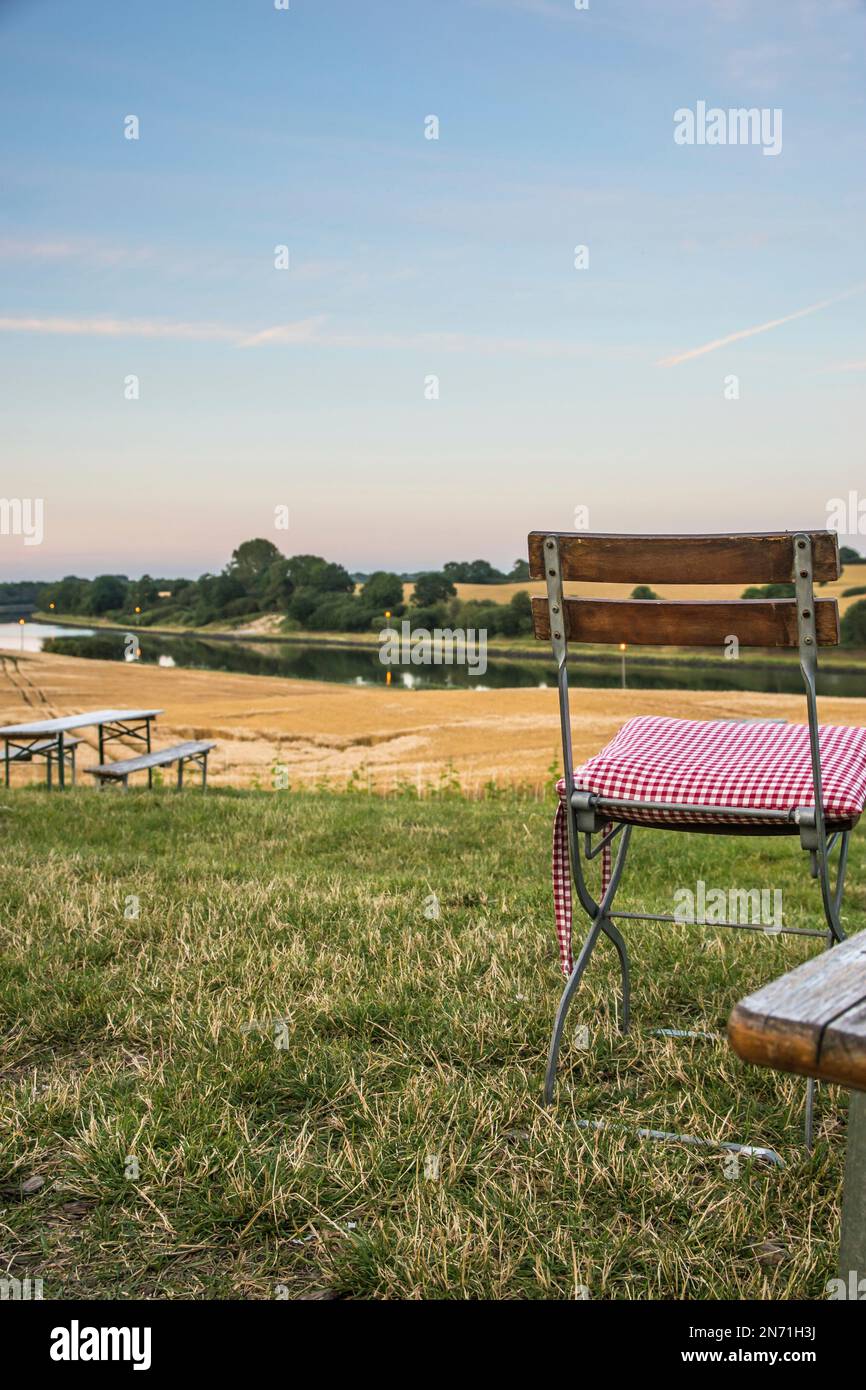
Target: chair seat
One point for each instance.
(759, 766)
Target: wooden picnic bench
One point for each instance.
(813, 1021)
(45, 748)
(180, 753)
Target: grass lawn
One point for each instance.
(245, 1090)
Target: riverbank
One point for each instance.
(843, 660)
(317, 733)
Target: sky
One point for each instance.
(433, 376)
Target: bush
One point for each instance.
(854, 625)
(769, 591)
(237, 607)
(432, 588)
(339, 613)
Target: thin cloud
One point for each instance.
(24, 249)
(119, 328)
(309, 331)
(758, 328)
(303, 331)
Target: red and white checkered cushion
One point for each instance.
(762, 766)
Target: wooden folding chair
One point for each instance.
(763, 778)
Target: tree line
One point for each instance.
(311, 593)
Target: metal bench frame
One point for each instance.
(587, 813)
(29, 751)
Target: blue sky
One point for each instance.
(409, 258)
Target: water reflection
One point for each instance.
(361, 666)
(31, 637)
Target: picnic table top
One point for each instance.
(812, 1020)
(79, 721)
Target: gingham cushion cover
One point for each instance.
(763, 766)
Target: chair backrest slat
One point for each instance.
(725, 559)
(708, 623)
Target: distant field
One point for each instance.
(854, 576)
(282, 1072)
(329, 734)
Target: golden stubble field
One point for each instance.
(853, 577)
(325, 733)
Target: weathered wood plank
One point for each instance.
(812, 1020)
(721, 559)
(160, 757)
(699, 623)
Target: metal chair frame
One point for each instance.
(587, 813)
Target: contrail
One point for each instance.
(758, 328)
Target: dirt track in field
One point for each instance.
(327, 733)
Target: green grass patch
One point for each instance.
(239, 1043)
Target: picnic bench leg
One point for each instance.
(48, 771)
(150, 769)
(179, 773)
(204, 773)
(126, 783)
(852, 1247)
(99, 734)
(6, 743)
(72, 760)
(61, 762)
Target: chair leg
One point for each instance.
(600, 923)
(832, 900)
(615, 935)
(580, 965)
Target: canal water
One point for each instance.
(361, 666)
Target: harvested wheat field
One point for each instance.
(853, 576)
(382, 738)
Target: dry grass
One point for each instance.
(407, 1038)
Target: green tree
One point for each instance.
(519, 572)
(107, 593)
(142, 593)
(853, 631)
(849, 556)
(322, 576)
(276, 587)
(382, 591)
(472, 572)
(521, 604)
(251, 561)
(643, 591)
(69, 595)
(432, 588)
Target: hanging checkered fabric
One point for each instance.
(759, 766)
